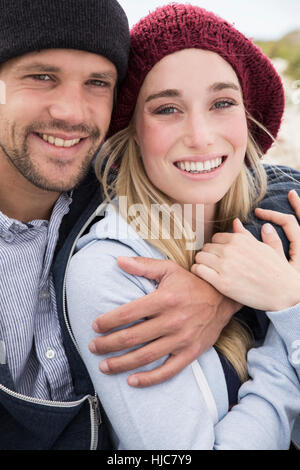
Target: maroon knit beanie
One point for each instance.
(175, 27)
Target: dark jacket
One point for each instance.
(27, 423)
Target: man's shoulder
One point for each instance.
(86, 197)
(89, 186)
(281, 180)
(281, 174)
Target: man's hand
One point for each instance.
(184, 317)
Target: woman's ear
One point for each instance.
(136, 139)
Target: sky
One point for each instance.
(258, 19)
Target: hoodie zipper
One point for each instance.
(95, 414)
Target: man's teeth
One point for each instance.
(198, 167)
(59, 142)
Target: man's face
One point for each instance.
(57, 112)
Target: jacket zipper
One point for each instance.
(95, 421)
(40, 401)
(93, 402)
(95, 415)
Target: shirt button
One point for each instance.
(50, 353)
(45, 295)
(15, 228)
(8, 236)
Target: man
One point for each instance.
(61, 71)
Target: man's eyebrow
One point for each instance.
(104, 75)
(219, 86)
(48, 68)
(37, 67)
(164, 94)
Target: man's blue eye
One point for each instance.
(99, 83)
(41, 77)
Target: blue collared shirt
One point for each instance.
(29, 328)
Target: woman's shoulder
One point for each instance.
(95, 260)
(113, 236)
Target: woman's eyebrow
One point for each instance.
(164, 94)
(219, 86)
(169, 93)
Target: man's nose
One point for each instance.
(69, 104)
(198, 131)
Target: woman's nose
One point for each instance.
(199, 132)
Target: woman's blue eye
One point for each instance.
(166, 110)
(224, 104)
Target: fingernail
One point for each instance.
(95, 327)
(133, 381)
(103, 366)
(267, 228)
(92, 347)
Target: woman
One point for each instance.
(187, 134)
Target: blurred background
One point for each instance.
(274, 25)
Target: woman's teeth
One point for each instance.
(200, 167)
(59, 142)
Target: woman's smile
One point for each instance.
(201, 168)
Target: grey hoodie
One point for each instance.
(190, 411)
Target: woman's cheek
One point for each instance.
(238, 131)
(154, 139)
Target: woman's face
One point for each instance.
(191, 126)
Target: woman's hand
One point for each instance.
(255, 273)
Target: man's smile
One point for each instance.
(61, 141)
(57, 146)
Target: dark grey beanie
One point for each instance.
(98, 26)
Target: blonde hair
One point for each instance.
(131, 180)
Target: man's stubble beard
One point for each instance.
(22, 161)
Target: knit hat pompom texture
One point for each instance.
(98, 26)
(175, 27)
